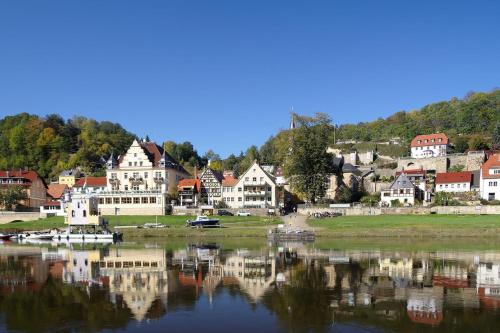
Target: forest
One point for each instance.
(51, 144)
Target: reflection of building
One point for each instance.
(81, 266)
(425, 306)
(139, 276)
(254, 274)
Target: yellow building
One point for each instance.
(68, 177)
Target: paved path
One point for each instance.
(296, 221)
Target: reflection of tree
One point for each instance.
(303, 303)
(57, 304)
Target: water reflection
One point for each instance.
(281, 288)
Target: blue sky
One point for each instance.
(224, 74)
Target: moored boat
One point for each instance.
(203, 221)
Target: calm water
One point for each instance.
(216, 287)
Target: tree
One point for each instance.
(308, 165)
(496, 137)
(478, 142)
(11, 197)
(461, 144)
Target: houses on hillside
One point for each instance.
(490, 178)
(429, 145)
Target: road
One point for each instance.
(296, 221)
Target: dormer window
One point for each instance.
(440, 140)
(419, 141)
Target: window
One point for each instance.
(135, 175)
(254, 179)
(135, 154)
(84, 213)
(239, 189)
(126, 200)
(125, 175)
(140, 163)
(129, 163)
(135, 188)
(145, 200)
(240, 199)
(116, 200)
(73, 213)
(137, 200)
(145, 175)
(247, 179)
(152, 200)
(109, 201)
(269, 189)
(496, 171)
(126, 187)
(135, 163)
(101, 201)
(113, 176)
(492, 183)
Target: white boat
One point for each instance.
(88, 237)
(39, 235)
(153, 225)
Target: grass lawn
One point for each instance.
(409, 226)
(251, 226)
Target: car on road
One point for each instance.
(224, 213)
(243, 213)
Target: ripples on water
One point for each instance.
(210, 287)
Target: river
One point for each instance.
(247, 286)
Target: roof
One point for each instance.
(192, 182)
(153, 151)
(229, 181)
(402, 181)
(429, 137)
(216, 174)
(492, 162)
(454, 177)
(91, 182)
(66, 173)
(27, 174)
(56, 191)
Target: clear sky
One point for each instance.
(224, 74)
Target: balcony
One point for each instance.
(136, 180)
(114, 181)
(186, 192)
(254, 183)
(254, 193)
(159, 180)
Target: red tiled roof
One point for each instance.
(189, 183)
(154, 151)
(30, 174)
(56, 190)
(91, 182)
(429, 137)
(229, 181)
(454, 177)
(492, 162)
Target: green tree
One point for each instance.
(308, 165)
(11, 197)
(495, 137)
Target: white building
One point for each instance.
(138, 182)
(83, 210)
(490, 178)
(431, 145)
(454, 181)
(403, 190)
(254, 189)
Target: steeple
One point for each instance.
(293, 125)
(163, 160)
(112, 162)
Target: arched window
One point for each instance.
(84, 213)
(73, 213)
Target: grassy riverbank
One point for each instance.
(416, 226)
(233, 226)
(389, 226)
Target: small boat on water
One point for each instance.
(203, 221)
(39, 235)
(5, 237)
(154, 226)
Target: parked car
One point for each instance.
(224, 213)
(243, 213)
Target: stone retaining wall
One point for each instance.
(365, 211)
(6, 217)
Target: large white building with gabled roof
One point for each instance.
(138, 182)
